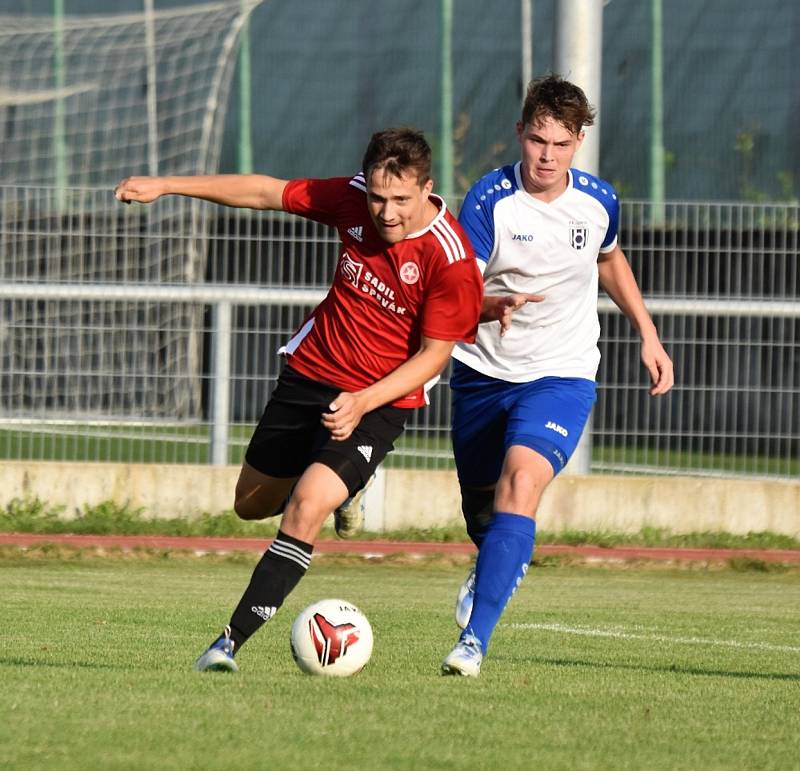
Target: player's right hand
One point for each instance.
(139, 189)
(343, 416)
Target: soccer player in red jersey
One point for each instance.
(406, 288)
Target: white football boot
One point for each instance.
(465, 659)
(218, 657)
(464, 600)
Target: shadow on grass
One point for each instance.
(678, 670)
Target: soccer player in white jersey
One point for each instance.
(405, 289)
(544, 234)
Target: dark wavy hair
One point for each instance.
(397, 151)
(554, 97)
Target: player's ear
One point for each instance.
(579, 138)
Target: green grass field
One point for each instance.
(591, 668)
(415, 449)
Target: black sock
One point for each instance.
(277, 573)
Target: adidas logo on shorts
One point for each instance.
(366, 451)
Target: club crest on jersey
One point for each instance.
(578, 235)
(409, 272)
(351, 269)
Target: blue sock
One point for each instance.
(502, 563)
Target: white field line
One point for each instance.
(589, 632)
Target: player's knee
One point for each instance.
(525, 482)
(303, 518)
(521, 489)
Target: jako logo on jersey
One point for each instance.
(578, 235)
(409, 273)
(366, 451)
(357, 233)
(522, 237)
(351, 269)
(555, 427)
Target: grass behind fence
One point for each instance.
(37, 516)
(415, 449)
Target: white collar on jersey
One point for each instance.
(438, 201)
(533, 198)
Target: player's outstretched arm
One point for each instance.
(618, 281)
(249, 191)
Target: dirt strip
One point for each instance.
(384, 548)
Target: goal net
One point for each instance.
(84, 102)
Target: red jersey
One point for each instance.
(384, 297)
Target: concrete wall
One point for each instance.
(403, 498)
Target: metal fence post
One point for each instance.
(578, 54)
(221, 332)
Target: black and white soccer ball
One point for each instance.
(331, 637)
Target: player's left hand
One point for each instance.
(659, 365)
(345, 414)
(502, 307)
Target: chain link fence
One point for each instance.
(107, 342)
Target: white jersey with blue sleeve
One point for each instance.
(527, 245)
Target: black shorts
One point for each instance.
(290, 436)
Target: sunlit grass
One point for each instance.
(589, 669)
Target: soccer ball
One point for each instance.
(331, 637)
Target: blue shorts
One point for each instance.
(489, 416)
